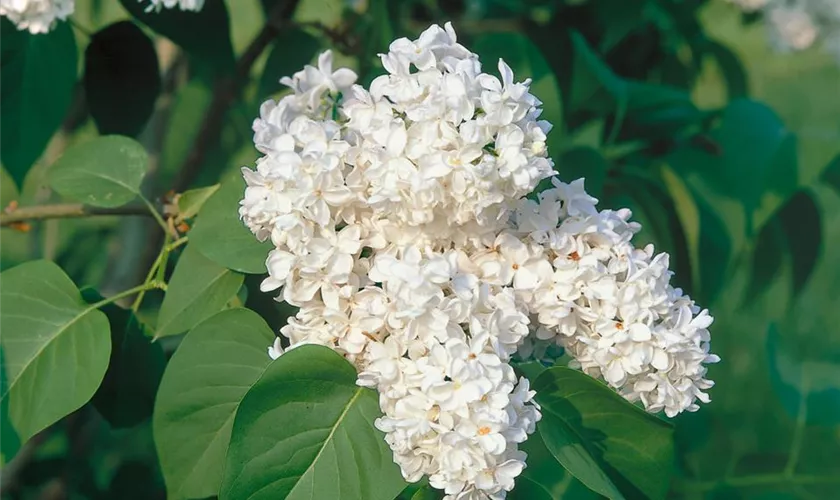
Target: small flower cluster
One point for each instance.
(37, 16)
(794, 25)
(401, 231)
(40, 16)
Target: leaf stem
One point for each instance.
(620, 112)
(155, 214)
(125, 293)
(799, 430)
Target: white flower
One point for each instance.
(190, 5)
(37, 16)
(400, 231)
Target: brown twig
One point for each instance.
(10, 477)
(65, 211)
(225, 93)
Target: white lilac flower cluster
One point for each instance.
(794, 25)
(40, 16)
(401, 231)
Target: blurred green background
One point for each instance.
(728, 153)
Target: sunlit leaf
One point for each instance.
(308, 400)
(222, 237)
(55, 346)
(213, 368)
(610, 445)
(199, 288)
(104, 172)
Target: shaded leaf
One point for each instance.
(204, 34)
(587, 163)
(326, 447)
(221, 237)
(206, 379)
(544, 478)
(126, 396)
(104, 172)
(801, 221)
(38, 78)
(122, 79)
(737, 83)
(55, 346)
(594, 85)
(831, 174)
(607, 443)
(767, 259)
(199, 288)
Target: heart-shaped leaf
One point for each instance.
(305, 430)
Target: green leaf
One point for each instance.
(55, 346)
(688, 214)
(8, 189)
(801, 221)
(204, 34)
(221, 237)
(122, 79)
(9, 439)
(587, 163)
(594, 85)
(544, 478)
(199, 288)
(206, 379)
(291, 50)
(759, 155)
(38, 77)
(734, 75)
(805, 380)
(190, 202)
(427, 493)
(831, 174)
(104, 172)
(305, 430)
(767, 259)
(610, 445)
(126, 396)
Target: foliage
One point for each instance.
(727, 154)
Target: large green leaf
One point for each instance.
(104, 172)
(221, 237)
(204, 34)
(610, 445)
(126, 396)
(55, 346)
(305, 430)
(204, 382)
(38, 77)
(122, 79)
(199, 288)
